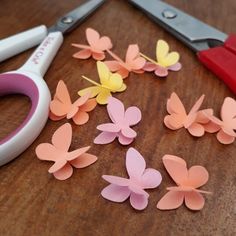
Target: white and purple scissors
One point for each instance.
(28, 80)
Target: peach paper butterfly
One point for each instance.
(96, 48)
(187, 183)
(227, 126)
(61, 106)
(133, 62)
(194, 121)
(59, 154)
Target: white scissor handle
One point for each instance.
(18, 43)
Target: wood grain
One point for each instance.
(32, 202)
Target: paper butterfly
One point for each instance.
(165, 61)
(122, 120)
(194, 121)
(97, 46)
(188, 181)
(133, 62)
(58, 152)
(110, 83)
(227, 126)
(140, 178)
(61, 106)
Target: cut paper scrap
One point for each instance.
(62, 107)
(96, 48)
(110, 83)
(121, 121)
(140, 178)
(194, 121)
(133, 62)
(165, 60)
(64, 161)
(188, 182)
(226, 127)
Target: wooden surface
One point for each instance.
(32, 202)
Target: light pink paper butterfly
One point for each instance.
(58, 153)
(226, 127)
(188, 182)
(133, 62)
(139, 179)
(194, 121)
(96, 48)
(122, 120)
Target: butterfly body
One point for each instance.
(194, 121)
(187, 180)
(58, 152)
(133, 62)
(109, 83)
(96, 48)
(164, 60)
(134, 187)
(122, 120)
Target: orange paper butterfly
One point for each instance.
(193, 121)
(58, 152)
(61, 106)
(133, 62)
(188, 181)
(96, 48)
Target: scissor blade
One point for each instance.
(194, 33)
(72, 19)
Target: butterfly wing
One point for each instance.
(133, 115)
(176, 167)
(135, 163)
(47, 152)
(116, 110)
(133, 59)
(61, 103)
(164, 58)
(228, 112)
(62, 137)
(93, 91)
(104, 43)
(177, 112)
(197, 176)
(92, 37)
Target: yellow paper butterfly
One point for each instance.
(163, 57)
(109, 83)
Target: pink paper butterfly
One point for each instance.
(58, 152)
(226, 126)
(194, 121)
(133, 62)
(188, 181)
(97, 46)
(122, 120)
(62, 107)
(140, 178)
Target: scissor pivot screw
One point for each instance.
(67, 20)
(169, 14)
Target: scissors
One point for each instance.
(28, 80)
(215, 49)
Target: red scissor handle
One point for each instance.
(222, 61)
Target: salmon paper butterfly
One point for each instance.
(96, 48)
(62, 107)
(226, 127)
(188, 182)
(110, 83)
(121, 121)
(165, 61)
(194, 121)
(140, 178)
(133, 62)
(64, 161)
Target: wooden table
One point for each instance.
(32, 202)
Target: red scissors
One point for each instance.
(215, 49)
